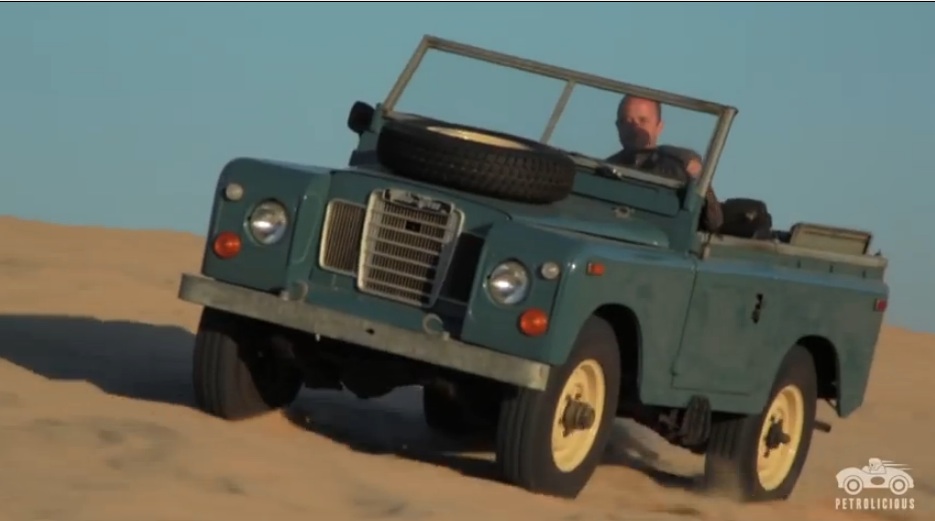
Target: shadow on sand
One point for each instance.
(393, 425)
(153, 363)
(129, 359)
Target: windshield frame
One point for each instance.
(725, 113)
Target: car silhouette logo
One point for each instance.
(877, 473)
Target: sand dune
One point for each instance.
(97, 424)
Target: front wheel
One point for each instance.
(234, 376)
(551, 441)
(759, 457)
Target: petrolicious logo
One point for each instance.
(879, 475)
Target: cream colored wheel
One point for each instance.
(760, 456)
(551, 441)
(577, 415)
(479, 137)
(780, 437)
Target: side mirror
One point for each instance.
(360, 117)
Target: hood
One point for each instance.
(575, 214)
(628, 229)
(589, 217)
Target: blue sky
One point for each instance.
(123, 114)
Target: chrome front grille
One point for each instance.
(407, 246)
(400, 246)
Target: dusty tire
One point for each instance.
(733, 466)
(475, 160)
(231, 376)
(527, 455)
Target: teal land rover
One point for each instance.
(490, 241)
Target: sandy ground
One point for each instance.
(97, 424)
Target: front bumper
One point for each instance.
(425, 347)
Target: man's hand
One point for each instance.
(693, 167)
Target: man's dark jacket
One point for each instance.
(672, 162)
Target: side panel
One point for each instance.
(728, 321)
(724, 351)
(839, 309)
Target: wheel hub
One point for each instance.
(578, 415)
(578, 408)
(775, 436)
(780, 437)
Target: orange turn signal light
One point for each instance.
(226, 245)
(533, 322)
(595, 269)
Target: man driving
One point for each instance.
(639, 125)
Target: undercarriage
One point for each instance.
(331, 364)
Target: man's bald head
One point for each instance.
(639, 122)
(630, 100)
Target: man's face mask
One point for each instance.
(632, 135)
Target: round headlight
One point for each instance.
(508, 283)
(268, 222)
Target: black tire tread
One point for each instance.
(223, 382)
(540, 175)
(511, 437)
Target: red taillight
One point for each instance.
(226, 245)
(879, 305)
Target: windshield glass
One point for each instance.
(601, 123)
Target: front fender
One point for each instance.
(302, 189)
(652, 285)
(496, 326)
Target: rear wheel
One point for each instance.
(760, 457)
(234, 375)
(551, 441)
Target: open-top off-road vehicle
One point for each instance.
(485, 251)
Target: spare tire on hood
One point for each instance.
(475, 160)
